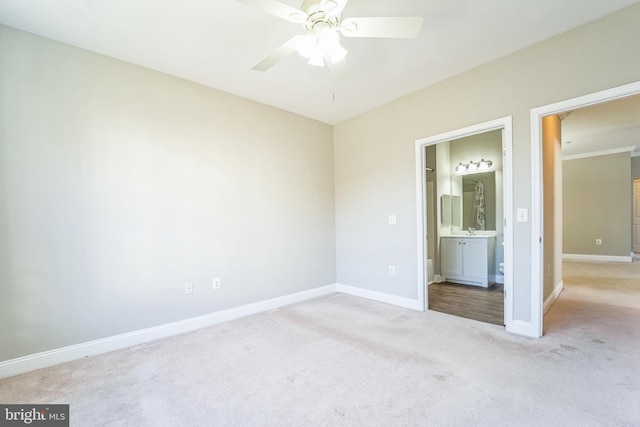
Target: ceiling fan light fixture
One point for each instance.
(327, 38)
(318, 46)
(324, 25)
(306, 45)
(329, 44)
(317, 61)
(337, 53)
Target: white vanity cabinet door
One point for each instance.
(451, 257)
(466, 259)
(474, 259)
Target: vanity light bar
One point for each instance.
(474, 166)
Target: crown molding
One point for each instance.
(600, 153)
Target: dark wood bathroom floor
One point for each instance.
(471, 302)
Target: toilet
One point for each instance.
(501, 268)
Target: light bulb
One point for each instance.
(329, 43)
(337, 53)
(320, 45)
(327, 38)
(306, 45)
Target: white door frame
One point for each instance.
(636, 214)
(536, 179)
(505, 124)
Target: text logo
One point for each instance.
(34, 415)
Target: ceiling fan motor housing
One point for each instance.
(320, 16)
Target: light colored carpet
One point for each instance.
(345, 361)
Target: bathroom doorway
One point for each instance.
(465, 236)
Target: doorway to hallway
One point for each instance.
(541, 299)
(636, 217)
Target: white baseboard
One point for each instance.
(596, 258)
(496, 278)
(412, 304)
(66, 354)
(45, 359)
(520, 327)
(552, 297)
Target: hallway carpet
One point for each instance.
(344, 361)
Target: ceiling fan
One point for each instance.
(323, 22)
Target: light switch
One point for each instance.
(522, 215)
(392, 220)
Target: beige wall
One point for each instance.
(552, 203)
(597, 205)
(375, 158)
(119, 184)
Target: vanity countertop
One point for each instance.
(471, 236)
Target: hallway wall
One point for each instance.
(597, 205)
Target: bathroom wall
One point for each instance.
(432, 197)
(444, 188)
(488, 146)
(597, 205)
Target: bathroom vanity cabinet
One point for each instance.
(467, 259)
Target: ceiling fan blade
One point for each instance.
(340, 69)
(279, 9)
(286, 49)
(388, 27)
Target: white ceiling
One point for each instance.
(216, 42)
(602, 127)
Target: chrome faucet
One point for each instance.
(472, 231)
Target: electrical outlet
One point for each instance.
(598, 242)
(188, 288)
(392, 220)
(392, 270)
(216, 283)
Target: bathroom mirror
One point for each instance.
(479, 201)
